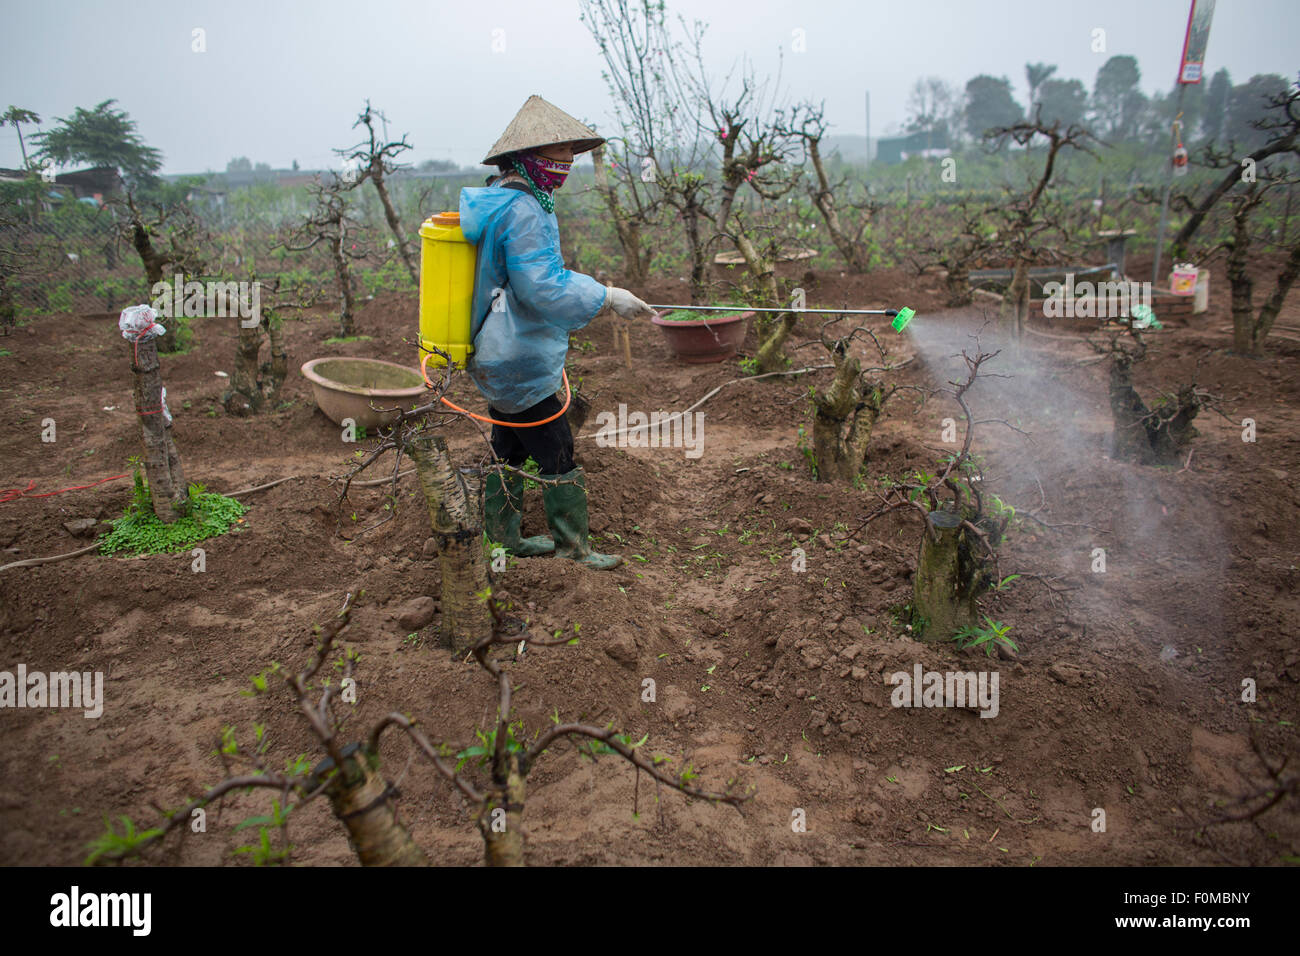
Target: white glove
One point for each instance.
(627, 305)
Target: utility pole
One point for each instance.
(1169, 185)
(1191, 68)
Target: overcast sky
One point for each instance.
(282, 80)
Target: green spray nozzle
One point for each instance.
(902, 318)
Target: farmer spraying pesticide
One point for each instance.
(525, 304)
(496, 298)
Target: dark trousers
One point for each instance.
(550, 445)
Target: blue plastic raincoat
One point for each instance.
(525, 301)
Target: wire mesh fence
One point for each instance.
(60, 260)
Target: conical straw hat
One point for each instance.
(539, 123)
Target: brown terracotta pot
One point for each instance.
(346, 388)
(703, 340)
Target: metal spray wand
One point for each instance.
(901, 316)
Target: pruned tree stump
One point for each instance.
(162, 462)
(943, 599)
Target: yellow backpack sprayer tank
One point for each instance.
(446, 288)
(447, 262)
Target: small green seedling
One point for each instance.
(993, 633)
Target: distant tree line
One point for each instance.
(1115, 110)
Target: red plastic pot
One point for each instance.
(698, 341)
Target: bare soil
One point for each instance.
(1126, 694)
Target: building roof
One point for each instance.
(100, 179)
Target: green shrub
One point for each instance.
(140, 531)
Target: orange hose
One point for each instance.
(568, 395)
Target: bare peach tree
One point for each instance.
(1155, 434)
(167, 235)
(350, 774)
(965, 528)
(1281, 126)
(976, 242)
(845, 413)
(348, 777)
(372, 159)
(452, 498)
(332, 225)
(1024, 217)
(754, 150)
(255, 384)
(808, 125)
(704, 146)
(640, 72)
(1250, 329)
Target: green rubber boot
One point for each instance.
(503, 510)
(566, 513)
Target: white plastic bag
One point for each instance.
(136, 319)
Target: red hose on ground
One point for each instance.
(13, 494)
(568, 396)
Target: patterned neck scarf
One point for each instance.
(544, 176)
